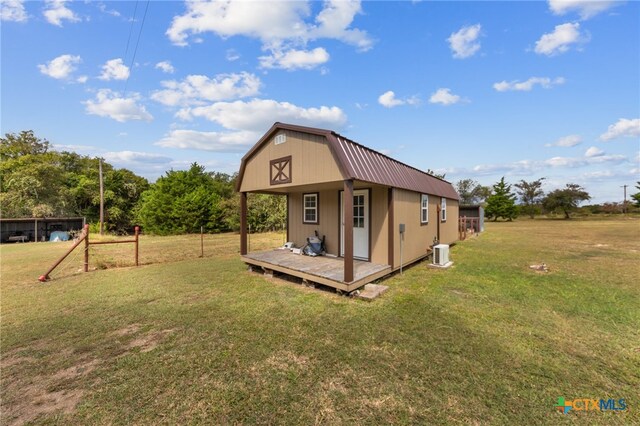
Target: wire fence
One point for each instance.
(155, 249)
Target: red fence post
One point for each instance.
(137, 232)
(86, 248)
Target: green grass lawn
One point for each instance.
(184, 339)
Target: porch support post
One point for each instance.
(391, 229)
(348, 230)
(243, 223)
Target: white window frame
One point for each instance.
(424, 209)
(443, 207)
(315, 209)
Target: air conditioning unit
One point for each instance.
(441, 254)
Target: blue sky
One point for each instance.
(474, 89)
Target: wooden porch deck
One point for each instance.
(321, 269)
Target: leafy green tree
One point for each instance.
(471, 192)
(501, 203)
(230, 212)
(266, 212)
(181, 202)
(26, 143)
(636, 197)
(438, 175)
(31, 180)
(37, 182)
(565, 200)
(531, 194)
(482, 193)
(124, 189)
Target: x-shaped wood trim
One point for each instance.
(280, 170)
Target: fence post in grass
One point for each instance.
(86, 247)
(137, 233)
(202, 241)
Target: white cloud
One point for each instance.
(166, 67)
(61, 67)
(464, 42)
(594, 152)
(388, 99)
(114, 69)
(560, 40)
(13, 11)
(264, 20)
(82, 79)
(232, 55)
(271, 22)
(445, 97)
(56, 11)
(334, 20)
(527, 167)
(573, 162)
(259, 114)
(75, 148)
(110, 104)
(281, 26)
(567, 141)
(195, 89)
(133, 157)
(527, 85)
(624, 127)
(295, 59)
(103, 9)
(585, 8)
(233, 141)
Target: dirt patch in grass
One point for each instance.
(46, 394)
(286, 360)
(279, 364)
(125, 331)
(14, 357)
(148, 342)
(459, 292)
(75, 371)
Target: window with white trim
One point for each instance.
(443, 211)
(310, 208)
(424, 208)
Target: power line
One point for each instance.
(133, 20)
(135, 51)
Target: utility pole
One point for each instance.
(624, 205)
(101, 198)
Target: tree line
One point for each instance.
(36, 181)
(500, 201)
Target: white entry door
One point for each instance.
(360, 224)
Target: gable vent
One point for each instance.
(280, 139)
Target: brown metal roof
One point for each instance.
(358, 162)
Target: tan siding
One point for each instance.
(328, 220)
(311, 162)
(417, 237)
(379, 226)
(449, 229)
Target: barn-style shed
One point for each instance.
(376, 213)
